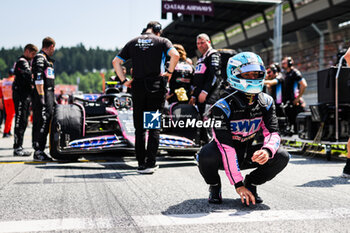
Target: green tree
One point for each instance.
(71, 63)
(64, 78)
(3, 67)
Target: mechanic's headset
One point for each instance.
(157, 28)
(290, 61)
(273, 68)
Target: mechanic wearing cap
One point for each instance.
(243, 111)
(22, 91)
(6, 95)
(43, 97)
(148, 86)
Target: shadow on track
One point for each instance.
(302, 160)
(195, 206)
(335, 180)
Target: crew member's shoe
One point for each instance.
(215, 194)
(252, 189)
(346, 171)
(41, 156)
(152, 167)
(147, 169)
(20, 152)
(6, 135)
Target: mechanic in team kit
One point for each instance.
(294, 88)
(207, 75)
(43, 97)
(22, 91)
(148, 86)
(243, 110)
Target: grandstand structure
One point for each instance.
(248, 26)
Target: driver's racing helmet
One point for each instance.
(246, 62)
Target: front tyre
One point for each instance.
(66, 125)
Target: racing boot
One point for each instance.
(215, 194)
(41, 156)
(20, 152)
(346, 171)
(252, 189)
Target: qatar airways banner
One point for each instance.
(188, 8)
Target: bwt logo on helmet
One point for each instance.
(151, 120)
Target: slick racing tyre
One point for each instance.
(66, 125)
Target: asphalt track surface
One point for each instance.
(104, 193)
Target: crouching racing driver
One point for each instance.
(244, 110)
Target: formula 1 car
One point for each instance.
(97, 123)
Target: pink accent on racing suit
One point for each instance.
(272, 140)
(230, 162)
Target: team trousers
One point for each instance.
(292, 112)
(42, 115)
(22, 103)
(144, 100)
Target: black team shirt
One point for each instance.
(148, 53)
